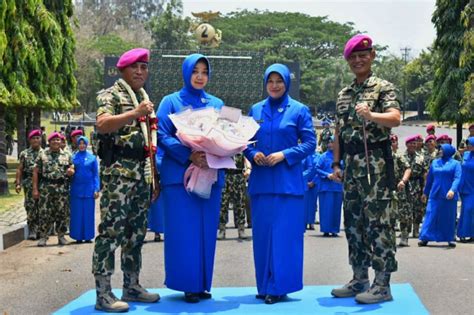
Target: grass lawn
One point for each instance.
(9, 201)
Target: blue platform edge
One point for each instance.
(241, 300)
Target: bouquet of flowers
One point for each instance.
(220, 134)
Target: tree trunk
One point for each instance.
(21, 129)
(458, 133)
(420, 109)
(36, 118)
(3, 154)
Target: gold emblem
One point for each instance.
(365, 42)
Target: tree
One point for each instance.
(450, 73)
(170, 30)
(467, 57)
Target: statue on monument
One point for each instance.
(205, 33)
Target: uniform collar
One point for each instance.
(369, 82)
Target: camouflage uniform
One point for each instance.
(415, 191)
(235, 193)
(27, 162)
(429, 157)
(324, 138)
(54, 192)
(401, 206)
(368, 215)
(125, 196)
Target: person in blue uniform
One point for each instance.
(330, 193)
(311, 189)
(84, 190)
(276, 186)
(442, 190)
(156, 213)
(466, 190)
(190, 221)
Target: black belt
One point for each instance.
(358, 148)
(128, 153)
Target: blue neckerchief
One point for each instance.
(190, 95)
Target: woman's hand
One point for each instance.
(423, 198)
(70, 171)
(275, 158)
(450, 195)
(260, 159)
(198, 158)
(310, 185)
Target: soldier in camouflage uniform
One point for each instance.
(430, 152)
(401, 205)
(463, 145)
(325, 136)
(54, 167)
(235, 193)
(24, 177)
(368, 215)
(415, 188)
(125, 194)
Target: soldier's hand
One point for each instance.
(337, 173)
(246, 173)
(363, 111)
(96, 195)
(260, 159)
(155, 193)
(401, 185)
(36, 194)
(450, 195)
(198, 158)
(17, 188)
(275, 158)
(423, 198)
(70, 171)
(144, 108)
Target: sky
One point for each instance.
(394, 23)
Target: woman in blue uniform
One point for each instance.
(276, 186)
(190, 221)
(466, 190)
(156, 212)
(330, 194)
(84, 189)
(311, 189)
(442, 189)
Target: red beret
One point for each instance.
(430, 137)
(471, 127)
(77, 132)
(53, 135)
(135, 55)
(34, 133)
(419, 137)
(357, 43)
(444, 137)
(411, 138)
(430, 127)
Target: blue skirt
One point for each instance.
(156, 215)
(440, 221)
(466, 220)
(330, 203)
(190, 238)
(82, 227)
(278, 231)
(310, 205)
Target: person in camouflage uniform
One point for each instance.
(325, 136)
(445, 139)
(235, 193)
(430, 152)
(372, 103)
(54, 167)
(125, 194)
(463, 145)
(415, 188)
(402, 174)
(24, 177)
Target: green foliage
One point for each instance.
(419, 75)
(170, 30)
(467, 58)
(446, 100)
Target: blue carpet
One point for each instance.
(229, 301)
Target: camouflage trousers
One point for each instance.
(53, 209)
(411, 213)
(369, 223)
(235, 193)
(31, 208)
(123, 210)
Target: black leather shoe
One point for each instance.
(451, 244)
(204, 295)
(326, 235)
(191, 297)
(422, 243)
(272, 299)
(260, 296)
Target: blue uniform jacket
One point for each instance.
(324, 169)
(309, 171)
(85, 181)
(443, 177)
(281, 131)
(175, 159)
